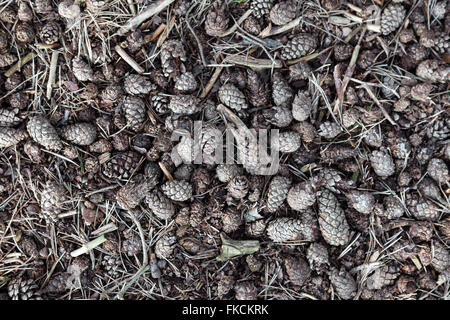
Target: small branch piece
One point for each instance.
(20, 63)
(51, 77)
(256, 64)
(88, 246)
(211, 82)
(125, 56)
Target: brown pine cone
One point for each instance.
(131, 194)
(111, 94)
(95, 6)
(132, 245)
(277, 192)
(299, 71)
(421, 208)
(201, 180)
(25, 32)
(278, 116)
(392, 18)
(112, 265)
(172, 55)
(285, 229)
(50, 32)
(41, 130)
(421, 231)
(343, 51)
(283, 12)
(245, 291)
(288, 142)
(301, 45)
(428, 188)
(238, 187)
(252, 26)
(23, 289)
(281, 91)
(136, 84)
(231, 220)
(8, 14)
(317, 255)
(261, 7)
(177, 190)
(52, 196)
(58, 283)
(301, 196)
(232, 97)
(160, 205)
(256, 228)
(257, 89)
(226, 172)
(441, 259)
(329, 130)
(437, 170)
(297, 270)
(9, 118)
(4, 41)
(393, 208)
(82, 133)
(7, 59)
(382, 163)
(333, 224)
(217, 19)
(343, 283)
(82, 70)
(165, 245)
(122, 165)
(433, 71)
(183, 104)
(337, 153)
(361, 201)
(186, 83)
(330, 179)
(160, 103)
(134, 111)
(302, 106)
(382, 277)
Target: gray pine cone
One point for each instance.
(82, 133)
(177, 190)
(136, 84)
(299, 46)
(10, 136)
(392, 17)
(41, 130)
(232, 97)
(277, 192)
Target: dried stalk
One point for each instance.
(152, 9)
(211, 82)
(165, 171)
(256, 64)
(166, 32)
(157, 32)
(269, 31)
(20, 63)
(88, 246)
(235, 26)
(52, 74)
(126, 57)
(372, 95)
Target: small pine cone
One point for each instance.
(361, 201)
(28, 246)
(252, 26)
(299, 71)
(333, 224)
(421, 208)
(82, 70)
(135, 40)
(382, 277)
(164, 246)
(172, 56)
(257, 89)
(177, 190)
(366, 58)
(261, 7)
(281, 91)
(283, 12)
(7, 59)
(433, 71)
(382, 163)
(231, 220)
(111, 94)
(336, 153)
(299, 46)
(393, 208)
(95, 6)
(112, 265)
(277, 192)
(224, 285)
(343, 51)
(238, 187)
(201, 180)
(186, 83)
(232, 97)
(8, 14)
(245, 291)
(134, 111)
(217, 20)
(441, 258)
(444, 227)
(82, 133)
(297, 270)
(25, 32)
(442, 43)
(52, 196)
(317, 255)
(160, 103)
(406, 284)
(9, 118)
(343, 283)
(226, 172)
(373, 138)
(135, 84)
(329, 130)
(183, 104)
(24, 12)
(160, 205)
(301, 196)
(437, 170)
(306, 129)
(101, 146)
(288, 142)
(256, 228)
(421, 231)
(302, 106)
(132, 246)
(41, 130)
(278, 116)
(122, 165)
(403, 250)
(285, 229)
(10, 136)
(131, 194)
(21, 289)
(50, 32)
(330, 179)
(392, 18)
(428, 188)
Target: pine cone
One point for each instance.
(330, 179)
(134, 111)
(384, 276)
(286, 229)
(333, 224)
(25, 32)
(441, 258)
(329, 130)
(252, 26)
(135, 84)
(231, 220)
(421, 231)
(433, 71)
(81, 133)
(52, 196)
(317, 255)
(132, 246)
(160, 205)
(437, 170)
(58, 283)
(122, 165)
(186, 83)
(301, 196)
(283, 12)
(131, 194)
(82, 70)
(111, 94)
(183, 104)
(112, 265)
(7, 59)
(164, 246)
(281, 91)
(172, 56)
(177, 190)
(301, 107)
(261, 7)
(299, 46)
(343, 51)
(238, 187)
(382, 163)
(200, 180)
(288, 142)
(343, 283)
(393, 208)
(21, 289)
(232, 97)
(95, 6)
(225, 172)
(278, 116)
(10, 136)
(421, 208)
(361, 201)
(217, 20)
(257, 90)
(160, 103)
(392, 18)
(50, 32)
(277, 192)
(297, 270)
(41, 130)
(245, 291)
